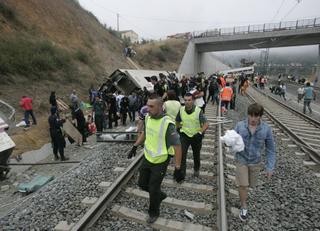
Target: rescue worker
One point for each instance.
(160, 141)
(57, 138)
(226, 96)
(192, 124)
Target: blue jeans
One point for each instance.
(26, 117)
(306, 103)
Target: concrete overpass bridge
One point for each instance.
(284, 34)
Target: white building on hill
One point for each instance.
(134, 38)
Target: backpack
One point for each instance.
(214, 86)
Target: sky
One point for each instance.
(153, 19)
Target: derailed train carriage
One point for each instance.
(128, 80)
(6, 148)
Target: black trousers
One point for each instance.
(233, 103)
(150, 179)
(58, 144)
(98, 120)
(196, 144)
(113, 118)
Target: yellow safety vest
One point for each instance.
(190, 122)
(155, 147)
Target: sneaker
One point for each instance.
(243, 214)
(151, 219)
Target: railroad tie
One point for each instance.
(198, 207)
(189, 186)
(190, 172)
(160, 223)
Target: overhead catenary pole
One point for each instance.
(118, 22)
(318, 67)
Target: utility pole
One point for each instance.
(118, 22)
(318, 67)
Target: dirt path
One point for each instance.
(33, 138)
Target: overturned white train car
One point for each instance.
(127, 80)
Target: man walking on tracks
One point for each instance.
(192, 124)
(308, 95)
(256, 135)
(160, 141)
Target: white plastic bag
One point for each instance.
(233, 140)
(21, 124)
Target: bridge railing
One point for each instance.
(267, 27)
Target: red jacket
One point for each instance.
(26, 103)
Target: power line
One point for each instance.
(289, 12)
(277, 12)
(128, 22)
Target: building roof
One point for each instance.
(125, 31)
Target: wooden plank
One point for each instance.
(62, 105)
(72, 132)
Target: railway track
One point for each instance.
(196, 204)
(304, 130)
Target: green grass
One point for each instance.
(31, 57)
(7, 12)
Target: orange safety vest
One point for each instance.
(226, 94)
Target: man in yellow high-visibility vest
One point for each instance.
(161, 141)
(192, 123)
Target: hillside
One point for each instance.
(162, 55)
(47, 44)
(55, 45)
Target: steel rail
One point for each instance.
(313, 154)
(304, 116)
(222, 214)
(93, 214)
(13, 111)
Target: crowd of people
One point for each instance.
(167, 128)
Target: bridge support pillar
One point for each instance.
(190, 61)
(194, 62)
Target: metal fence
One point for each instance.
(267, 27)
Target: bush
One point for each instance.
(7, 12)
(82, 56)
(160, 56)
(31, 57)
(165, 48)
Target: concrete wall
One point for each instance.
(209, 64)
(194, 62)
(189, 63)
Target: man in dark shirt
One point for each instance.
(157, 88)
(112, 113)
(57, 138)
(99, 108)
(78, 115)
